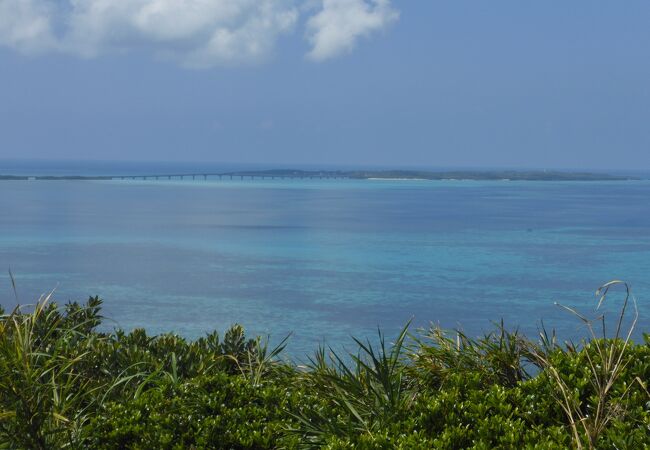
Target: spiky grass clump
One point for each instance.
(358, 394)
(46, 394)
(606, 358)
(500, 357)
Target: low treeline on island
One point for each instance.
(64, 384)
(495, 175)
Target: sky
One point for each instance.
(479, 84)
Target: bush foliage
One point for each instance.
(63, 384)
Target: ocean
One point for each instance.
(327, 259)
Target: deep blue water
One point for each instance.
(326, 259)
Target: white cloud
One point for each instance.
(198, 33)
(194, 33)
(339, 25)
(25, 25)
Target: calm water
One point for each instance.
(326, 259)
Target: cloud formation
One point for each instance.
(194, 33)
(25, 25)
(339, 25)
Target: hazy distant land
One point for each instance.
(514, 175)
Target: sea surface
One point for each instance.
(327, 259)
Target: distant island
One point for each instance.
(495, 175)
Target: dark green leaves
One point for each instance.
(65, 385)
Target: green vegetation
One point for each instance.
(63, 384)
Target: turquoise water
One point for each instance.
(329, 258)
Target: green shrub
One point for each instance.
(219, 411)
(65, 385)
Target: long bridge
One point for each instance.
(241, 175)
(237, 175)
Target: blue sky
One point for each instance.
(550, 84)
